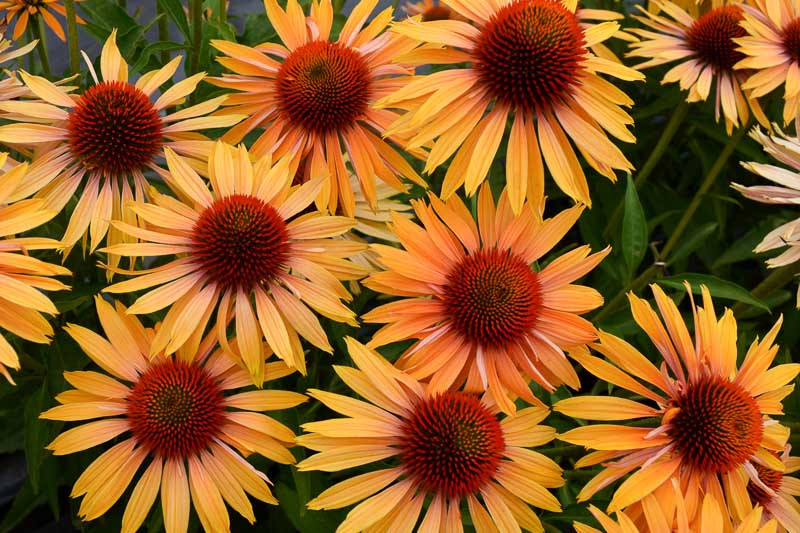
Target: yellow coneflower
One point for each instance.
(24, 10)
(22, 277)
(772, 47)
(312, 95)
(449, 446)
(785, 149)
(530, 63)
(241, 242)
(482, 314)
(753, 523)
(100, 142)
(707, 52)
(710, 425)
(183, 413)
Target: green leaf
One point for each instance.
(692, 242)
(24, 503)
(718, 288)
(634, 229)
(152, 49)
(36, 434)
(174, 9)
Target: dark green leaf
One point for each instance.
(36, 433)
(174, 9)
(694, 241)
(719, 288)
(634, 229)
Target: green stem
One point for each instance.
(709, 180)
(779, 278)
(222, 11)
(72, 36)
(196, 16)
(38, 32)
(672, 127)
(646, 276)
(29, 36)
(163, 30)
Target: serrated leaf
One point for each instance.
(634, 229)
(719, 288)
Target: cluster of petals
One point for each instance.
(482, 316)
(785, 191)
(464, 110)
(694, 469)
(192, 460)
(73, 140)
(377, 429)
(312, 96)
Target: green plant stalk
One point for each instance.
(196, 16)
(38, 32)
(674, 123)
(72, 36)
(222, 11)
(163, 30)
(646, 276)
(709, 180)
(779, 278)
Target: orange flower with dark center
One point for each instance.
(175, 409)
(769, 477)
(529, 54)
(791, 39)
(718, 425)
(492, 297)
(451, 444)
(115, 129)
(240, 241)
(324, 86)
(711, 37)
(705, 419)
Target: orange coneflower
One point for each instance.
(481, 313)
(785, 149)
(448, 446)
(776, 493)
(182, 412)
(752, 523)
(530, 61)
(706, 48)
(241, 240)
(23, 10)
(103, 140)
(710, 429)
(22, 305)
(314, 95)
(772, 47)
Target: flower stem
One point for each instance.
(196, 16)
(674, 123)
(163, 30)
(709, 180)
(222, 11)
(646, 276)
(38, 32)
(72, 36)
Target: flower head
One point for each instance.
(102, 141)
(482, 314)
(705, 46)
(312, 95)
(786, 150)
(24, 10)
(182, 415)
(775, 494)
(22, 277)
(771, 47)
(530, 61)
(245, 240)
(710, 429)
(449, 446)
